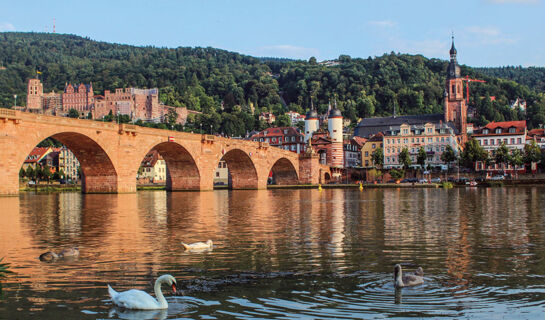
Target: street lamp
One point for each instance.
(201, 127)
(15, 98)
(210, 129)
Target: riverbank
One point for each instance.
(504, 183)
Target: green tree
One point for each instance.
(282, 121)
(405, 158)
(171, 117)
(421, 157)
(378, 157)
(397, 174)
(73, 113)
(516, 159)
(22, 173)
(30, 173)
(532, 153)
(501, 155)
(473, 152)
(448, 156)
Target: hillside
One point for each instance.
(203, 78)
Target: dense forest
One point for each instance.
(231, 89)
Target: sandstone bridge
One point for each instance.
(110, 155)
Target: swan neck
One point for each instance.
(159, 294)
(399, 278)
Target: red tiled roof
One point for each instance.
(36, 154)
(359, 140)
(519, 125)
(536, 132)
(277, 132)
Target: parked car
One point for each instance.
(462, 180)
(436, 180)
(497, 178)
(405, 181)
(423, 180)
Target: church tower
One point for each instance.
(455, 105)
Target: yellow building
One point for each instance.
(369, 147)
(153, 168)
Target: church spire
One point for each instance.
(453, 70)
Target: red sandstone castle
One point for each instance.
(137, 103)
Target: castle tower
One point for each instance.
(35, 92)
(455, 106)
(311, 122)
(335, 127)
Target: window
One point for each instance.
(373, 146)
(485, 142)
(512, 141)
(430, 140)
(492, 142)
(367, 153)
(511, 130)
(498, 130)
(217, 174)
(405, 131)
(485, 131)
(519, 140)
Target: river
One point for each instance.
(279, 254)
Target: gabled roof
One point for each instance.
(151, 159)
(37, 154)
(277, 132)
(370, 126)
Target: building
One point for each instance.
(352, 153)
(221, 176)
(433, 138)
(335, 128)
(537, 135)
(519, 104)
(80, 98)
(267, 117)
(153, 168)
(493, 135)
(68, 164)
(287, 138)
(454, 114)
(35, 156)
(368, 149)
(295, 117)
(35, 92)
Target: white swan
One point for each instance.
(407, 280)
(197, 246)
(140, 300)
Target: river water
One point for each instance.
(279, 254)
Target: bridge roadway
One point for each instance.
(110, 155)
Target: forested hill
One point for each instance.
(226, 86)
(533, 77)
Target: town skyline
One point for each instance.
(484, 29)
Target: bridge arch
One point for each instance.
(182, 170)
(284, 172)
(98, 171)
(242, 171)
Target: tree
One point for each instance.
(421, 157)
(516, 159)
(22, 173)
(532, 153)
(378, 157)
(397, 174)
(73, 113)
(30, 173)
(501, 155)
(405, 158)
(449, 155)
(473, 152)
(171, 117)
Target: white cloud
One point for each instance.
(286, 51)
(488, 35)
(6, 26)
(383, 23)
(513, 1)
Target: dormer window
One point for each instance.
(512, 130)
(485, 131)
(498, 130)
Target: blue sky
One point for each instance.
(487, 32)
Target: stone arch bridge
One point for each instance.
(110, 155)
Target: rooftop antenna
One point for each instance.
(53, 25)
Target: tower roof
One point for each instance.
(453, 48)
(311, 114)
(335, 113)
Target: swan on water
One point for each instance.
(66, 253)
(49, 256)
(407, 280)
(140, 300)
(69, 253)
(198, 246)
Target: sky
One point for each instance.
(487, 32)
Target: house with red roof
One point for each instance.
(511, 133)
(287, 138)
(36, 156)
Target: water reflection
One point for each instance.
(480, 247)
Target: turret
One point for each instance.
(335, 125)
(311, 123)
